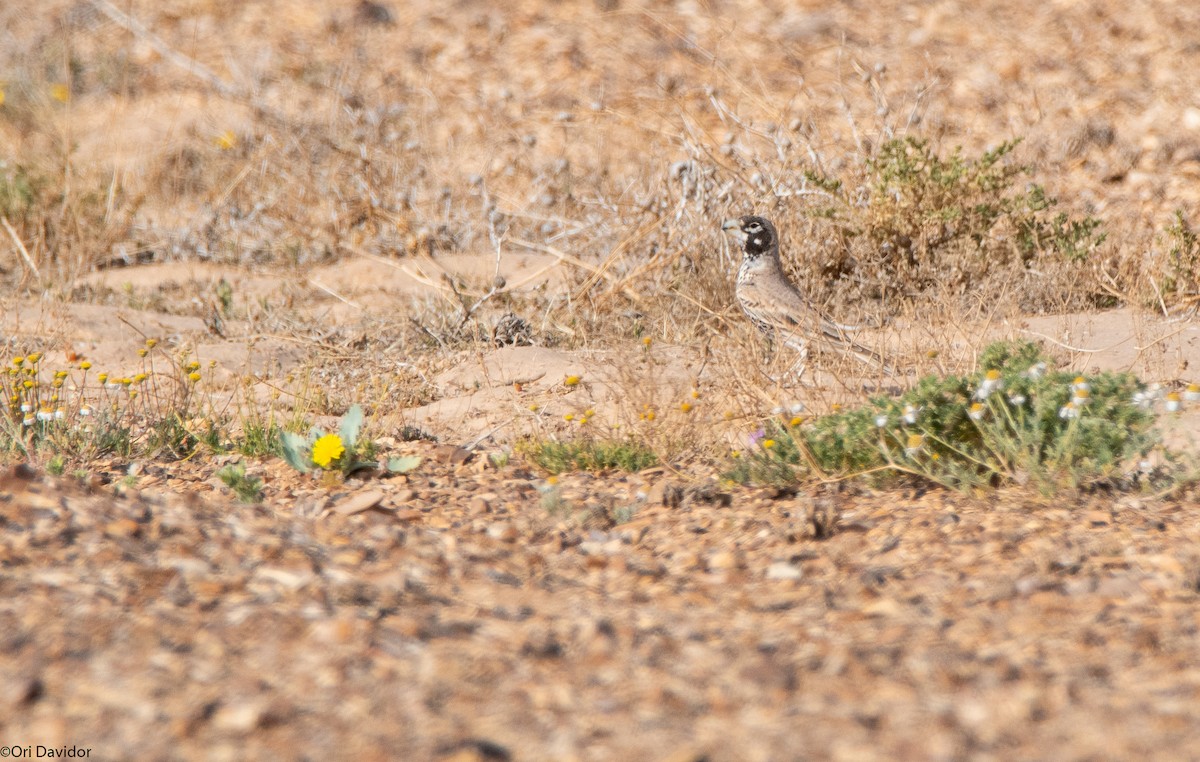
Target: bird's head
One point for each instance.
(756, 234)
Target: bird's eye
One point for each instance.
(753, 227)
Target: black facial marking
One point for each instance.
(759, 235)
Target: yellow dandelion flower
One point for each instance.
(729, 415)
(18, 361)
(796, 421)
(589, 413)
(1, 96)
(649, 415)
(327, 449)
(583, 421)
(60, 92)
(647, 341)
(193, 365)
(768, 444)
(151, 343)
(533, 408)
(695, 394)
(226, 140)
(572, 381)
(143, 352)
(569, 417)
(686, 407)
(103, 377)
(34, 357)
(139, 378)
(193, 377)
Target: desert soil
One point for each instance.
(476, 609)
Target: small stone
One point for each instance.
(479, 505)
(1099, 518)
(782, 570)
(122, 528)
(240, 718)
(502, 531)
(724, 560)
(359, 502)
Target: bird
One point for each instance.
(776, 306)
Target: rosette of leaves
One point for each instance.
(343, 451)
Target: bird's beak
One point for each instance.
(734, 228)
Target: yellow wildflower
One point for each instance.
(327, 449)
(572, 381)
(60, 92)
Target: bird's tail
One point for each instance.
(844, 345)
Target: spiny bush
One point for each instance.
(1017, 422)
(1181, 276)
(927, 221)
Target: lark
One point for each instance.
(776, 306)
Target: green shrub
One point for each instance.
(930, 221)
(589, 455)
(1016, 422)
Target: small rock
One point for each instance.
(783, 570)
(122, 528)
(725, 560)
(479, 505)
(240, 718)
(1099, 518)
(502, 531)
(359, 502)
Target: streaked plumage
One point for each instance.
(776, 306)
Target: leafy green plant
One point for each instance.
(930, 220)
(1182, 271)
(589, 455)
(1016, 422)
(260, 438)
(247, 488)
(342, 453)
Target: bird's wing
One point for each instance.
(793, 316)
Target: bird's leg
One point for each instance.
(797, 368)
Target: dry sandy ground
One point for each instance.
(475, 611)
